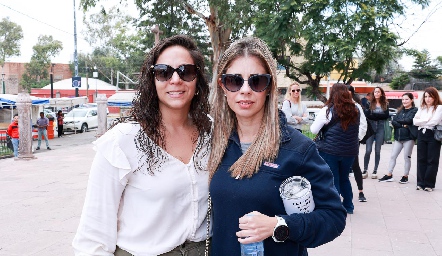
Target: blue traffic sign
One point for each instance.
(76, 81)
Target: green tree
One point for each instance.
(10, 36)
(224, 20)
(399, 82)
(352, 37)
(116, 43)
(423, 67)
(36, 75)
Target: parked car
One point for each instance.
(49, 113)
(392, 112)
(80, 119)
(93, 105)
(312, 113)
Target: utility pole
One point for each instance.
(87, 82)
(52, 80)
(75, 51)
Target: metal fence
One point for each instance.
(4, 150)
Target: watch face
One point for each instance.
(281, 233)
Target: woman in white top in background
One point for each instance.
(148, 185)
(427, 117)
(293, 108)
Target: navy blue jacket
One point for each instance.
(232, 198)
(338, 142)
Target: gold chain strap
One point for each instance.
(209, 211)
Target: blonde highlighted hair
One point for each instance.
(289, 91)
(265, 146)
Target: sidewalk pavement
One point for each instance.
(41, 202)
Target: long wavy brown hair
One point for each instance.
(382, 100)
(146, 103)
(343, 106)
(433, 94)
(265, 146)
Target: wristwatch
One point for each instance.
(281, 230)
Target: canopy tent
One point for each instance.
(121, 99)
(9, 100)
(66, 102)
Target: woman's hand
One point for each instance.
(255, 227)
(298, 118)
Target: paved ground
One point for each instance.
(41, 201)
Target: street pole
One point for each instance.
(75, 51)
(52, 81)
(3, 83)
(95, 75)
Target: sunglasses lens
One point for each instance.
(259, 83)
(232, 82)
(187, 72)
(162, 72)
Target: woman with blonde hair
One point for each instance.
(253, 152)
(293, 108)
(377, 114)
(428, 115)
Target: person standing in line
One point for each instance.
(338, 121)
(365, 102)
(14, 133)
(377, 114)
(253, 152)
(42, 124)
(362, 130)
(60, 118)
(402, 138)
(294, 109)
(148, 186)
(428, 115)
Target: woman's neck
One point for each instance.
(248, 129)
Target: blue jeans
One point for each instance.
(43, 132)
(340, 167)
(15, 143)
(378, 127)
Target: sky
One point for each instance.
(56, 18)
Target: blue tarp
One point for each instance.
(10, 102)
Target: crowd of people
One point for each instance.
(182, 175)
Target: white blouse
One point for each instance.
(321, 120)
(143, 214)
(425, 118)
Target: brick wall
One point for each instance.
(14, 71)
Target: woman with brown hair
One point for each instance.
(253, 152)
(403, 138)
(428, 115)
(148, 185)
(377, 114)
(338, 121)
(293, 108)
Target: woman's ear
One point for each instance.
(220, 84)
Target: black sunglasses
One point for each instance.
(163, 72)
(296, 90)
(257, 83)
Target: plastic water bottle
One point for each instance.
(253, 249)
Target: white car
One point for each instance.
(80, 119)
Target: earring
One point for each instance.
(197, 92)
(225, 95)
